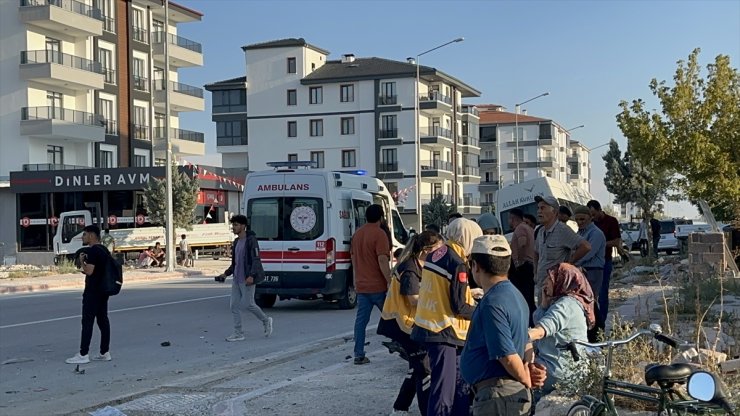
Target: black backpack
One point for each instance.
(113, 276)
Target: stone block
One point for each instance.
(701, 268)
(694, 238)
(696, 248)
(712, 238)
(730, 366)
(717, 248)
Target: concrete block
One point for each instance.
(712, 238)
(716, 248)
(700, 269)
(715, 258)
(696, 248)
(694, 238)
(731, 366)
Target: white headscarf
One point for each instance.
(463, 231)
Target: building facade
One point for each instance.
(83, 87)
(351, 114)
(544, 149)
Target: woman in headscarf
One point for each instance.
(397, 317)
(566, 313)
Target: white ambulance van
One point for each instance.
(304, 219)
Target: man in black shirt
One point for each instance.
(94, 301)
(655, 228)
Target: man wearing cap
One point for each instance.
(493, 360)
(593, 262)
(555, 242)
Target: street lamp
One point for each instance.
(169, 222)
(516, 130)
(575, 128)
(417, 139)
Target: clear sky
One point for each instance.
(588, 55)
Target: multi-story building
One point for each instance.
(351, 114)
(83, 89)
(544, 149)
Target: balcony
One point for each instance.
(387, 100)
(140, 34)
(436, 169)
(62, 124)
(487, 185)
(547, 162)
(183, 97)
(427, 198)
(435, 102)
(469, 205)
(61, 70)
(140, 132)
(232, 141)
(435, 136)
(574, 177)
(183, 52)
(469, 173)
(111, 127)
(183, 141)
(470, 111)
(388, 133)
(488, 161)
(387, 167)
(73, 18)
(469, 144)
(141, 83)
(36, 167)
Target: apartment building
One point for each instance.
(544, 149)
(351, 114)
(83, 94)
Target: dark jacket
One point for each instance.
(251, 259)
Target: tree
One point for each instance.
(437, 211)
(696, 132)
(631, 181)
(184, 199)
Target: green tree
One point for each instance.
(184, 200)
(631, 181)
(695, 133)
(437, 211)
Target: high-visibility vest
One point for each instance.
(397, 306)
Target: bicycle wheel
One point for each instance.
(580, 408)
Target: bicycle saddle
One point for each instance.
(667, 374)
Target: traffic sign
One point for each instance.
(140, 219)
(54, 221)
(112, 220)
(25, 222)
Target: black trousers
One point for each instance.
(94, 308)
(416, 382)
(523, 279)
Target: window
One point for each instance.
(318, 157)
(158, 25)
(388, 126)
(55, 155)
(271, 218)
(106, 61)
(53, 50)
(55, 101)
(292, 157)
(348, 159)
(139, 161)
(316, 127)
(291, 66)
(105, 159)
(139, 33)
(292, 129)
(292, 97)
(227, 101)
(231, 133)
(140, 81)
(105, 109)
(347, 93)
(348, 125)
(388, 93)
(141, 130)
(488, 134)
(316, 95)
(390, 160)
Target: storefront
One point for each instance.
(42, 195)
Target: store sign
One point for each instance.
(114, 179)
(139, 179)
(209, 197)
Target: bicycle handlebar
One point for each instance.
(666, 339)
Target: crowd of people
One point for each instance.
(482, 322)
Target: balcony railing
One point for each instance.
(232, 141)
(388, 133)
(436, 131)
(488, 161)
(109, 24)
(547, 159)
(141, 83)
(427, 198)
(469, 141)
(110, 76)
(435, 96)
(140, 131)
(55, 57)
(388, 167)
(139, 34)
(436, 164)
(178, 87)
(58, 113)
(179, 134)
(158, 37)
(387, 100)
(35, 167)
(470, 110)
(470, 170)
(471, 201)
(70, 5)
(111, 127)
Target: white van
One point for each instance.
(304, 220)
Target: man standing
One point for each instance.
(246, 267)
(655, 229)
(530, 220)
(610, 227)
(642, 236)
(489, 224)
(493, 360)
(184, 250)
(370, 251)
(94, 301)
(564, 214)
(555, 242)
(522, 258)
(593, 262)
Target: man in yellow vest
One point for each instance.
(443, 315)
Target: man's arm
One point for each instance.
(583, 248)
(614, 239)
(385, 267)
(515, 367)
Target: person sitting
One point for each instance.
(146, 258)
(565, 314)
(158, 255)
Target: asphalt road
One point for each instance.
(38, 331)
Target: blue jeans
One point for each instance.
(365, 303)
(603, 304)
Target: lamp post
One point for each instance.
(575, 128)
(417, 138)
(170, 223)
(516, 130)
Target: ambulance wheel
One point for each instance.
(349, 297)
(265, 301)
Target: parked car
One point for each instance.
(668, 241)
(630, 235)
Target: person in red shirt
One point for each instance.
(370, 250)
(610, 227)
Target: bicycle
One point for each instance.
(707, 396)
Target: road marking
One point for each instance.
(134, 308)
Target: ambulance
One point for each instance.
(304, 219)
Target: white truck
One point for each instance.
(215, 238)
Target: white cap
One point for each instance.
(493, 245)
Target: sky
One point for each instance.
(589, 55)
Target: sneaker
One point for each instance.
(236, 336)
(102, 357)
(78, 359)
(268, 327)
(361, 360)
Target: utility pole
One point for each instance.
(170, 223)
